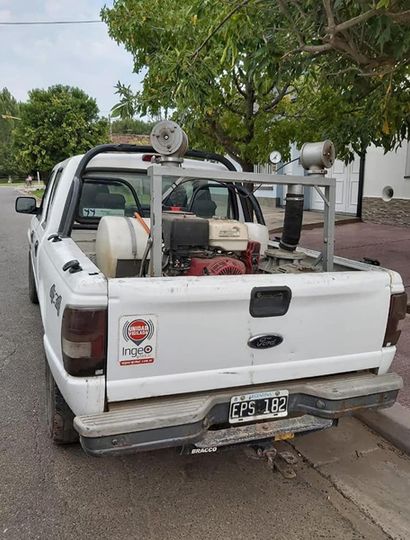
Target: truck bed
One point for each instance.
(85, 240)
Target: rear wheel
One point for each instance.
(32, 291)
(59, 415)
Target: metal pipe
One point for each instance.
(361, 185)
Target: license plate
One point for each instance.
(258, 406)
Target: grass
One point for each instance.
(15, 181)
(37, 193)
(13, 185)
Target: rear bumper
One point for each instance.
(193, 419)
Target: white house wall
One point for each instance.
(386, 190)
(383, 170)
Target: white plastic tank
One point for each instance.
(258, 233)
(120, 238)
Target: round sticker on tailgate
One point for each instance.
(139, 330)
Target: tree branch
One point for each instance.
(283, 7)
(316, 48)
(329, 15)
(224, 139)
(231, 108)
(272, 86)
(218, 27)
(337, 36)
(356, 20)
(278, 98)
(297, 6)
(401, 17)
(250, 116)
(237, 84)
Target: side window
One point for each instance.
(46, 195)
(49, 196)
(213, 201)
(221, 197)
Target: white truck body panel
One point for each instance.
(335, 323)
(82, 289)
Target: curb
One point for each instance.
(393, 424)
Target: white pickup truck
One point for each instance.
(172, 320)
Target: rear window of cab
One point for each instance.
(124, 193)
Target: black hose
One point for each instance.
(292, 225)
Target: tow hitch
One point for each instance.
(280, 461)
(278, 458)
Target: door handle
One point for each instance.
(35, 248)
(31, 236)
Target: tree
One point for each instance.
(247, 76)
(9, 114)
(55, 124)
(357, 55)
(223, 104)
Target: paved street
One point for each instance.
(350, 483)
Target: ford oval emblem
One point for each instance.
(265, 341)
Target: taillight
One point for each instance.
(83, 341)
(148, 157)
(397, 312)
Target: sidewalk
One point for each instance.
(311, 219)
(365, 470)
(391, 247)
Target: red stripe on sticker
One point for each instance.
(136, 361)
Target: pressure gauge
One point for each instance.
(275, 157)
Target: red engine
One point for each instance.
(193, 248)
(251, 257)
(218, 266)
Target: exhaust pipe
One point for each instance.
(315, 158)
(292, 225)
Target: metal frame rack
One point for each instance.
(157, 172)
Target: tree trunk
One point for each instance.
(248, 166)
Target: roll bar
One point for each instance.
(67, 219)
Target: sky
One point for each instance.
(77, 55)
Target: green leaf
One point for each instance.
(383, 4)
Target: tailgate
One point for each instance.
(186, 334)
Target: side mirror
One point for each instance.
(26, 205)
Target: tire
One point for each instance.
(32, 291)
(59, 415)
